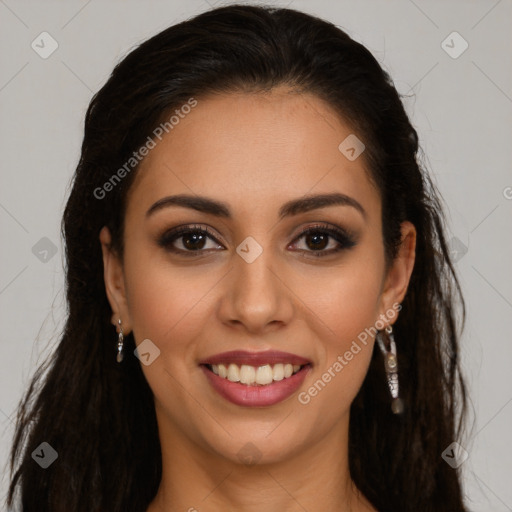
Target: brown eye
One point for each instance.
(191, 238)
(317, 239)
(193, 241)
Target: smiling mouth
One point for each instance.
(255, 375)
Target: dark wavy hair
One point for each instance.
(99, 416)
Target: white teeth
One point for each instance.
(223, 371)
(264, 375)
(247, 374)
(251, 375)
(278, 372)
(233, 373)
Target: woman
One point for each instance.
(261, 303)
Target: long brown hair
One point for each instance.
(100, 417)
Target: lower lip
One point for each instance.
(256, 396)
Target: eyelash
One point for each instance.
(344, 239)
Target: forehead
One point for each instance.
(253, 149)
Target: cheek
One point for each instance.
(343, 308)
(345, 299)
(165, 301)
(169, 305)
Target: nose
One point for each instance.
(255, 296)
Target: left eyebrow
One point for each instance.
(307, 203)
(293, 207)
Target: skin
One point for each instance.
(254, 151)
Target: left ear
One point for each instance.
(399, 274)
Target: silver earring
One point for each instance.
(120, 342)
(391, 366)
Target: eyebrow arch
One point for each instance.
(293, 207)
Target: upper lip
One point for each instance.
(261, 358)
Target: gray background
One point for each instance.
(462, 108)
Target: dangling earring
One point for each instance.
(120, 342)
(391, 366)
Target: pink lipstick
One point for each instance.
(255, 379)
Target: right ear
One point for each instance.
(114, 282)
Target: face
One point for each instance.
(240, 287)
